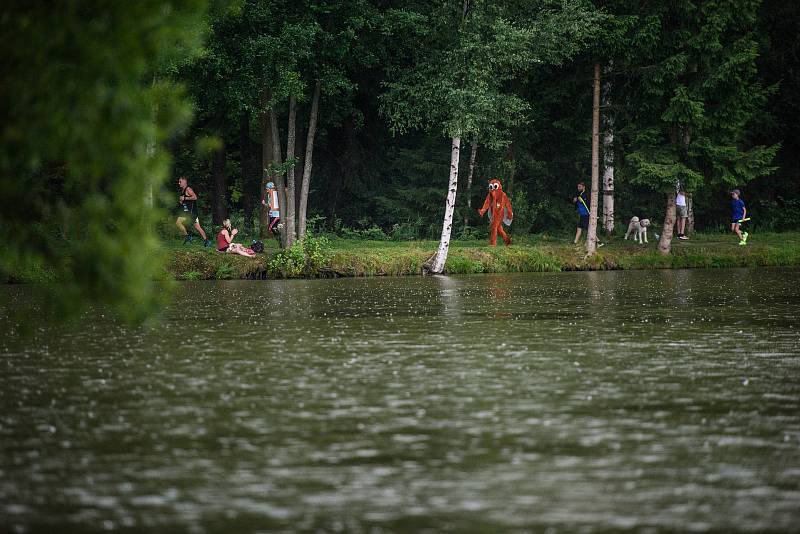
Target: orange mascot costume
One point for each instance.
(499, 208)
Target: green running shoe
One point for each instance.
(744, 237)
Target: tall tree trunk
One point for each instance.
(291, 198)
(591, 234)
(665, 243)
(266, 160)
(439, 259)
(249, 189)
(472, 155)
(608, 160)
(219, 206)
(511, 163)
(690, 215)
(308, 163)
(277, 177)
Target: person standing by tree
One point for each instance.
(271, 201)
(738, 216)
(682, 210)
(581, 202)
(188, 210)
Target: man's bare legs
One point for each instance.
(181, 227)
(200, 230)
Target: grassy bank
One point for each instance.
(540, 253)
(532, 254)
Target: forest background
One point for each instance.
(719, 76)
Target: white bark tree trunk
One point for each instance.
(608, 182)
(308, 163)
(291, 199)
(665, 243)
(690, 212)
(472, 155)
(608, 162)
(439, 259)
(591, 234)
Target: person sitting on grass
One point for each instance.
(225, 241)
(738, 217)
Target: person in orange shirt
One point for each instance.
(271, 201)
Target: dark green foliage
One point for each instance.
(690, 92)
(83, 112)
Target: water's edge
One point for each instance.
(408, 261)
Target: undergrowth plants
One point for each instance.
(306, 257)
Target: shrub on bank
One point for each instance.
(306, 257)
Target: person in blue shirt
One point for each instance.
(582, 204)
(739, 214)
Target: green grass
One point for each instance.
(537, 253)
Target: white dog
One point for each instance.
(639, 226)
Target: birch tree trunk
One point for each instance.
(665, 243)
(608, 182)
(250, 193)
(220, 180)
(608, 161)
(472, 155)
(308, 163)
(291, 199)
(690, 212)
(280, 185)
(439, 259)
(591, 234)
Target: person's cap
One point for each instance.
(270, 185)
(736, 191)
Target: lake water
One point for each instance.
(566, 402)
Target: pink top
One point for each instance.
(222, 243)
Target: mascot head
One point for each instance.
(495, 188)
